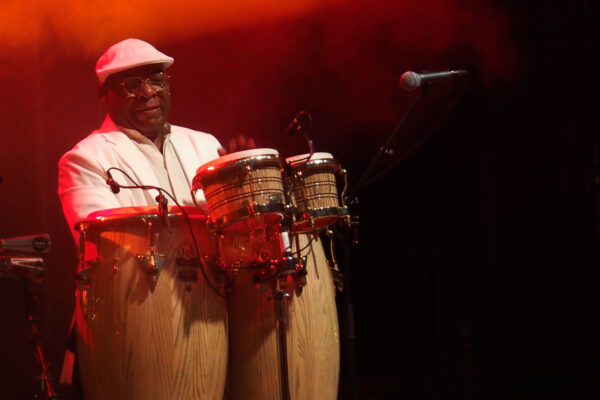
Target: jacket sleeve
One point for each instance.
(82, 187)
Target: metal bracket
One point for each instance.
(85, 272)
(153, 264)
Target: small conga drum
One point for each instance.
(313, 184)
(312, 351)
(150, 324)
(243, 190)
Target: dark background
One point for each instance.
(476, 272)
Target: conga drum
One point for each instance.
(311, 351)
(243, 190)
(313, 183)
(151, 323)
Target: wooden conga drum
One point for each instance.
(149, 324)
(312, 353)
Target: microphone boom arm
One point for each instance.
(362, 182)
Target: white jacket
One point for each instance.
(82, 186)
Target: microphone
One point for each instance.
(114, 186)
(31, 268)
(163, 210)
(298, 124)
(411, 80)
(32, 244)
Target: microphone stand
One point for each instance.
(350, 241)
(31, 316)
(385, 149)
(352, 199)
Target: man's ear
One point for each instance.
(102, 91)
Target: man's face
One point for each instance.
(145, 111)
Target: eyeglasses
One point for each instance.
(133, 84)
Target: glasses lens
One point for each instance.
(159, 80)
(132, 85)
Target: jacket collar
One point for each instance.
(186, 154)
(128, 152)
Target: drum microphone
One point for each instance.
(411, 80)
(299, 123)
(114, 186)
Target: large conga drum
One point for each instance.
(243, 190)
(310, 353)
(151, 323)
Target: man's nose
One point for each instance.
(148, 90)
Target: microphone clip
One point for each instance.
(114, 186)
(163, 210)
(302, 122)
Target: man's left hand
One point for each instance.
(240, 143)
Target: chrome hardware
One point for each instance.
(338, 277)
(152, 263)
(85, 272)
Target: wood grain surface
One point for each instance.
(312, 335)
(136, 342)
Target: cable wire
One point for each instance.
(186, 216)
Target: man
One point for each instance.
(135, 138)
(134, 145)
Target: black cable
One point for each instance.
(299, 251)
(187, 219)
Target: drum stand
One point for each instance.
(279, 296)
(289, 266)
(275, 272)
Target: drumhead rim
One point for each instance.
(237, 156)
(121, 213)
(302, 157)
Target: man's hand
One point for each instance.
(238, 144)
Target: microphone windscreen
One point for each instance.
(410, 80)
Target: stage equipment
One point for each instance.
(16, 266)
(284, 333)
(312, 186)
(149, 324)
(31, 244)
(243, 190)
(411, 80)
(348, 233)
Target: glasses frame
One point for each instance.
(147, 80)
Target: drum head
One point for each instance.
(122, 213)
(233, 157)
(140, 210)
(243, 190)
(303, 158)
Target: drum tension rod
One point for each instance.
(153, 261)
(85, 270)
(338, 277)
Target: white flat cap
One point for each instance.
(129, 53)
